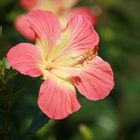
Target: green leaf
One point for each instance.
(1, 69)
(5, 63)
(38, 121)
(86, 132)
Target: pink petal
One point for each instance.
(45, 25)
(85, 11)
(57, 101)
(25, 58)
(29, 4)
(23, 27)
(94, 81)
(83, 35)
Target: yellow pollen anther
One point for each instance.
(88, 56)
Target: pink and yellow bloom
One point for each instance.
(66, 59)
(61, 8)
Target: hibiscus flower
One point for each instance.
(61, 8)
(66, 59)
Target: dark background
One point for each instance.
(115, 118)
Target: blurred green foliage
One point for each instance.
(115, 118)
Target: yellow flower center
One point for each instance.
(58, 60)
